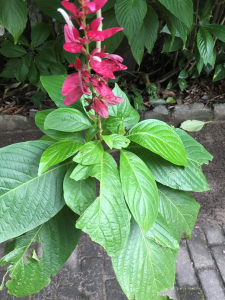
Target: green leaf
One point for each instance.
(179, 210)
(192, 125)
(171, 100)
(130, 15)
(57, 135)
(139, 188)
(53, 85)
(176, 45)
(22, 190)
(39, 33)
(132, 119)
(58, 238)
(205, 45)
(219, 73)
(199, 59)
(183, 74)
(182, 9)
(207, 9)
(190, 178)
(9, 70)
(13, 16)
(107, 220)
(90, 153)
(50, 8)
(67, 120)
(217, 30)
(8, 49)
(121, 109)
(47, 51)
(161, 233)
(182, 84)
(159, 137)
(57, 68)
(144, 268)
(33, 74)
(91, 132)
(79, 195)
(116, 141)
(22, 69)
(57, 153)
(37, 98)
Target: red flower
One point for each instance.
(97, 35)
(74, 86)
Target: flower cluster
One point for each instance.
(85, 81)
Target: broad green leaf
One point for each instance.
(39, 33)
(207, 9)
(219, 73)
(47, 138)
(112, 124)
(22, 69)
(47, 51)
(179, 210)
(79, 195)
(205, 45)
(58, 238)
(57, 135)
(199, 59)
(139, 188)
(53, 85)
(50, 8)
(8, 49)
(133, 118)
(122, 109)
(91, 132)
(144, 268)
(57, 153)
(13, 16)
(9, 68)
(217, 30)
(182, 9)
(171, 100)
(90, 153)
(182, 84)
(145, 36)
(107, 219)
(67, 120)
(33, 74)
(83, 172)
(183, 74)
(26, 199)
(116, 141)
(130, 15)
(190, 178)
(159, 137)
(37, 98)
(192, 125)
(176, 45)
(161, 233)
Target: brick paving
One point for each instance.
(88, 274)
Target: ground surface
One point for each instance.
(88, 274)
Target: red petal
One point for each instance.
(73, 96)
(97, 35)
(99, 4)
(95, 24)
(73, 47)
(113, 100)
(100, 107)
(71, 35)
(70, 7)
(91, 6)
(102, 69)
(102, 89)
(78, 63)
(115, 57)
(70, 84)
(114, 66)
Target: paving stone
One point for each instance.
(161, 109)
(219, 111)
(171, 293)
(109, 272)
(220, 259)
(200, 254)
(195, 111)
(211, 285)
(157, 116)
(185, 274)
(92, 278)
(89, 248)
(69, 293)
(69, 274)
(17, 122)
(11, 297)
(47, 293)
(3, 293)
(2, 254)
(114, 291)
(214, 235)
(191, 295)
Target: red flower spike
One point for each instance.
(100, 107)
(70, 84)
(95, 24)
(73, 96)
(78, 63)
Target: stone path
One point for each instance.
(88, 274)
